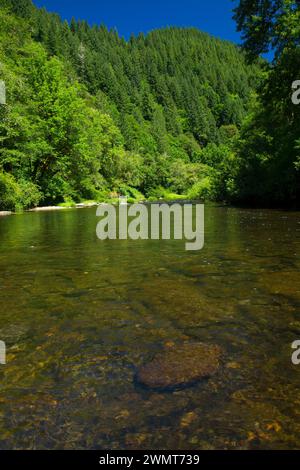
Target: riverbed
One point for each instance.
(79, 316)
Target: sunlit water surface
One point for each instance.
(79, 316)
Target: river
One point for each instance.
(79, 316)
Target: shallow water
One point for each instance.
(79, 316)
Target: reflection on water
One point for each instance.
(79, 316)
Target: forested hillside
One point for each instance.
(90, 115)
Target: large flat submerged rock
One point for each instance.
(180, 366)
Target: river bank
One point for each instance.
(52, 208)
(87, 205)
(5, 213)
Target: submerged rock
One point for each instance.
(180, 366)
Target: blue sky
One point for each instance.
(134, 16)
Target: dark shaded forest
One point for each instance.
(175, 113)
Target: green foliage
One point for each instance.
(51, 133)
(17, 195)
(202, 190)
(182, 176)
(167, 83)
(130, 169)
(131, 193)
(90, 115)
(268, 149)
(23, 8)
(8, 191)
(268, 25)
(164, 194)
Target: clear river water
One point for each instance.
(79, 316)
